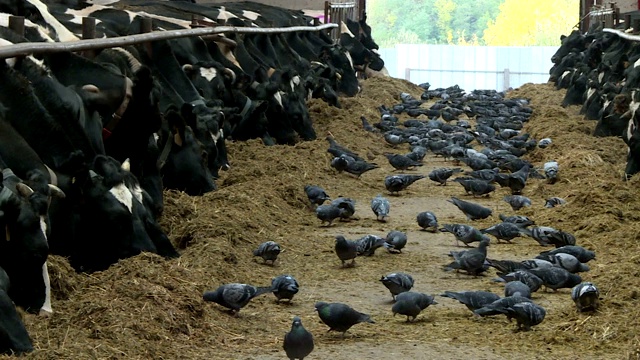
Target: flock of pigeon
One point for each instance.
(492, 149)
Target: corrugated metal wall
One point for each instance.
(470, 67)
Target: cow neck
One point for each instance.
(166, 150)
(117, 115)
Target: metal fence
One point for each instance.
(339, 11)
(470, 67)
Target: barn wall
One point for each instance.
(289, 4)
(625, 5)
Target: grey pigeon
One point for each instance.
(465, 233)
(367, 126)
(359, 167)
(533, 281)
(551, 170)
(517, 202)
(541, 234)
(368, 244)
(393, 139)
(427, 220)
(235, 296)
(556, 277)
(397, 283)
(507, 266)
(527, 314)
(298, 343)
(583, 255)
(586, 296)
(268, 251)
(284, 287)
(499, 306)
(565, 261)
(441, 175)
(417, 153)
(347, 205)
(488, 175)
(473, 211)
(543, 143)
(411, 304)
(340, 317)
(316, 194)
(380, 206)
(328, 213)
(554, 201)
(504, 231)
(397, 183)
(346, 250)
(472, 299)
(395, 241)
(472, 261)
(401, 162)
(519, 220)
(517, 180)
(517, 288)
(336, 149)
(340, 163)
(475, 187)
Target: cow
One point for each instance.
(14, 338)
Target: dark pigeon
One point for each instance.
(397, 183)
(348, 206)
(488, 175)
(411, 304)
(472, 261)
(367, 126)
(554, 201)
(401, 162)
(504, 231)
(336, 149)
(531, 280)
(518, 180)
(473, 211)
(316, 195)
(499, 306)
(298, 343)
(582, 254)
(519, 220)
(328, 213)
(340, 163)
(427, 220)
(397, 283)
(380, 206)
(556, 277)
(368, 244)
(473, 300)
(586, 296)
(268, 251)
(340, 317)
(284, 287)
(527, 314)
(475, 187)
(441, 175)
(359, 167)
(565, 261)
(517, 288)
(346, 250)
(235, 296)
(395, 241)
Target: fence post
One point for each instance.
(506, 79)
(407, 74)
(89, 32)
(16, 23)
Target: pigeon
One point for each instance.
(368, 244)
(517, 180)
(317, 195)
(475, 187)
(395, 241)
(565, 261)
(473, 300)
(488, 175)
(499, 306)
(541, 234)
(556, 277)
(583, 255)
(517, 288)
(284, 287)
(551, 171)
(507, 266)
(336, 150)
(417, 153)
(268, 251)
(473, 211)
(347, 205)
(397, 283)
(465, 233)
(298, 343)
(543, 143)
(393, 139)
(411, 304)
(427, 220)
(517, 202)
(359, 167)
(397, 183)
(441, 175)
(340, 317)
(504, 231)
(340, 163)
(527, 314)
(531, 280)
(554, 201)
(586, 296)
(401, 162)
(519, 220)
(367, 126)
(328, 213)
(472, 261)
(346, 250)
(235, 296)
(380, 206)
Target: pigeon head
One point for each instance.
(320, 305)
(296, 322)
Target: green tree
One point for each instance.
(538, 23)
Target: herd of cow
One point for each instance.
(601, 72)
(89, 141)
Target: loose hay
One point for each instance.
(146, 307)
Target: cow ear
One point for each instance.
(24, 190)
(91, 88)
(126, 165)
(188, 69)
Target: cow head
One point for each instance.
(574, 42)
(338, 58)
